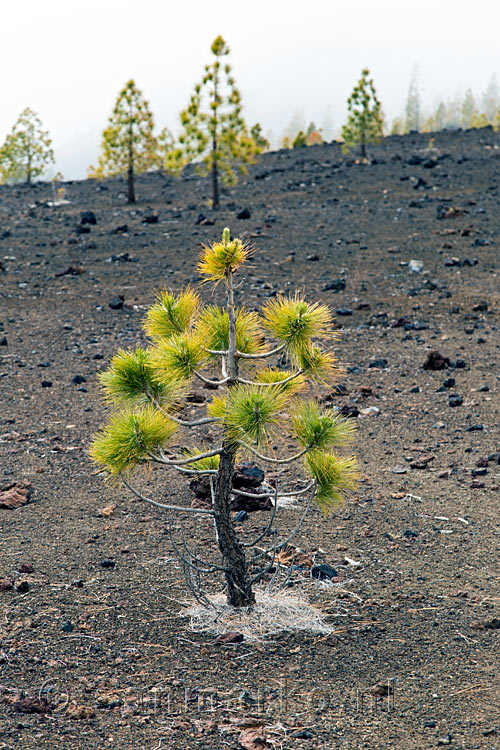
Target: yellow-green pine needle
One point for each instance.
(178, 357)
(203, 464)
(272, 375)
(334, 476)
(129, 438)
(131, 377)
(252, 412)
(317, 364)
(217, 407)
(171, 314)
(317, 428)
(222, 258)
(213, 327)
(295, 322)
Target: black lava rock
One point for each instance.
(88, 217)
(455, 400)
(243, 214)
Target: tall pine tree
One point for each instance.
(128, 143)
(365, 123)
(27, 150)
(214, 133)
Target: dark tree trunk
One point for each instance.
(363, 145)
(130, 170)
(130, 183)
(239, 587)
(28, 170)
(215, 176)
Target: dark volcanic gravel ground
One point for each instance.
(422, 609)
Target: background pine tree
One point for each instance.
(27, 150)
(128, 143)
(365, 123)
(214, 133)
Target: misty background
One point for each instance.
(293, 62)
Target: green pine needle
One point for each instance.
(131, 377)
(213, 327)
(272, 375)
(295, 322)
(222, 259)
(252, 412)
(178, 357)
(318, 429)
(318, 364)
(203, 464)
(129, 438)
(171, 314)
(334, 476)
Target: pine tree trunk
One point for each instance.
(130, 170)
(363, 145)
(130, 183)
(215, 177)
(239, 587)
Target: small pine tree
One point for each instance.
(365, 122)
(468, 110)
(257, 404)
(27, 150)
(300, 140)
(413, 104)
(128, 143)
(490, 101)
(214, 133)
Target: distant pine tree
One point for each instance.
(365, 123)
(27, 150)
(128, 144)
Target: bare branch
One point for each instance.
(269, 525)
(220, 352)
(162, 459)
(277, 382)
(272, 460)
(208, 381)
(176, 508)
(271, 353)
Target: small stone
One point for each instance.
(117, 302)
(416, 266)
(430, 724)
(241, 516)
(449, 382)
(343, 311)
(415, 389)
(226, 638)
(243, 214)
(410, 533)
(22, 587)
(370, 411)
(382, 363)
(46, 383)
(150, 218)
(312, 258)
(77, 379)
(444, 740)
(6, 584)
(3, 341)
(399, 470)
(337, 285)
(323, 572)
(475, 428)
(107, 563)
(436, 361)
(26, 568)
(67, 627)
(88, 217)
(483, 389)
(455, 400)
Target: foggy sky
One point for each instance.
(67, 60)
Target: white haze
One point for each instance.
(68, 60)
